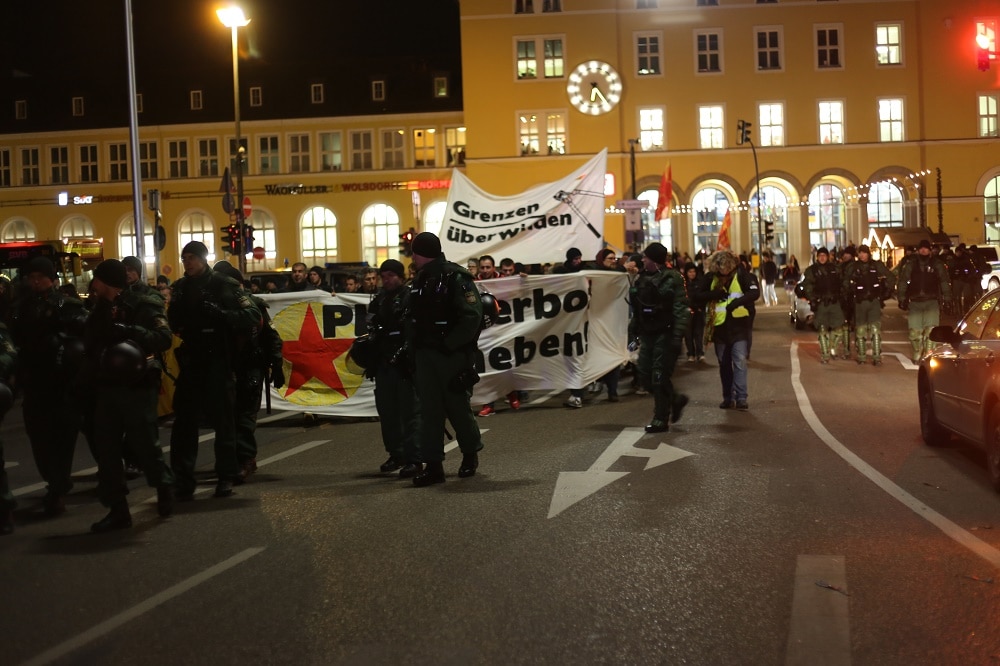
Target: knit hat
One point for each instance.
(112, 273)
(393, 266)
(228, 270)
(822, 250)
(573, 253)
(41, 265)
(426, 245)
(133, 263)
(195, 247)
(656, 252)
(924, 243)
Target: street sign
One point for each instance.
(227, 202)
(247, 207)
(631, 204)
(258, 253)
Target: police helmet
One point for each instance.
(491, 308)
(123, 363)
(362, 352)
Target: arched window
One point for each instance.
(434, 217)
(319, 236)
(655, 231)
(196, 227)
(991, 210)
(263, 236)
(885, 205)
(126, 242)
(379, 234)
(774, 209)
(826, 217)
(709, 208)
(77, 227)
(17, 230)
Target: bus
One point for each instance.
(74, 259)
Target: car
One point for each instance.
(988, 255)
(958, 383)
(800, 313)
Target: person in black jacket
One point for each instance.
(732, 292)
(697, 292)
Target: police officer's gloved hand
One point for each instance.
(730, 306)
(212, 310)
(277, 376)
(718, 294)
(904, 305)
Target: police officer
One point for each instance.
(823, 288)
(660, 320)
(445, 316)
(923, 287)
(964, 276)
(8, 357)
(133, 272)
(867, 283)
(208, 311)
(47, 326)
(124, 334)
(257, 360)
(395, 397)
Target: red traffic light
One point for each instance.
(983, 53)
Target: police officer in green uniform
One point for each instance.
(133, 272)
(8, 357)
(257, 361)
(660, 319)
(445, 315)
(867, 283)
(125, 333)
(823, 288)
(209, 311)
(47, 326)
(923, 287)
(395, 397)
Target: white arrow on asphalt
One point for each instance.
(571, 487)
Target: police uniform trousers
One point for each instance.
(441, 399)
(125, 416)
(204, 387)
(52, 421)
(868, 325)
(657, 359)
(249, 391)
(922, 317)
(396, 402)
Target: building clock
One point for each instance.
(594, 87)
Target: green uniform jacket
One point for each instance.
(388, 319)
(860, 287)
(924, 279)
(668, 285)
(445, 310)
(44, 327)
(823, 283)
(211, 309)
(142, 320)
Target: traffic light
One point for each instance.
(768, 231)
(231, 239)
(743, 132)
(248, 238)
(406, 242)
(983, 58)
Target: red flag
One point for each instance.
(724, 241)
(663, 201)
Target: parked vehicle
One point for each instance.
(958, 384)
(800, 313)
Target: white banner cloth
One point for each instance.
(536, 226)
(554, 332)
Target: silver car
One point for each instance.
(958, 383)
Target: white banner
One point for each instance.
(554, 332)
(536, 226)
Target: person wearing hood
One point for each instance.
(732, 291)
(573, 263)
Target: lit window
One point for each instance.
(647, 53)
(710, 119)
(708, 52)
(192, 227)
(527, 63)
(831, 122)
(440, 86)
(424, 147)
(542, 132)
(379, 234)
(18, 230)
(827, 225)
(651, 128)
(771, 121)
(454, 141)
(526, 54)
(885, 205)
(319, 236)
(988, 114)
(890, 119)
(889, 43)
(330, 151)
(553, 58)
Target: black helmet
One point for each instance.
(491, 308)
(123, 363)
(363, 352)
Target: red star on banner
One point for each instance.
(312, 356)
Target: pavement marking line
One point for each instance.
(453, 444)
(820, 630)
(109, 625)
(9, 464)
(292, 451)
(952, 530)
(166, 449)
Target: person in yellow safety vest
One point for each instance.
(732, 292)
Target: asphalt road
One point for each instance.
(814, 528)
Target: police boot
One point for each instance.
(410, 470)
(433, 473)
(862, 351)
(926, 346)
(877, 347)
(824, 345)
(470, 463)
(915, 335)
(837, 342)
(118, 518)
(6, 522)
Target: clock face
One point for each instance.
(594, 87)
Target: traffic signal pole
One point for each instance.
(743, 136)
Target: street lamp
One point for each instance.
(232, 17)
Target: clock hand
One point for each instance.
(595, 92)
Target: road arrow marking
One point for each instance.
(571, 487)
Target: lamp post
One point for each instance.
(232, 17)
